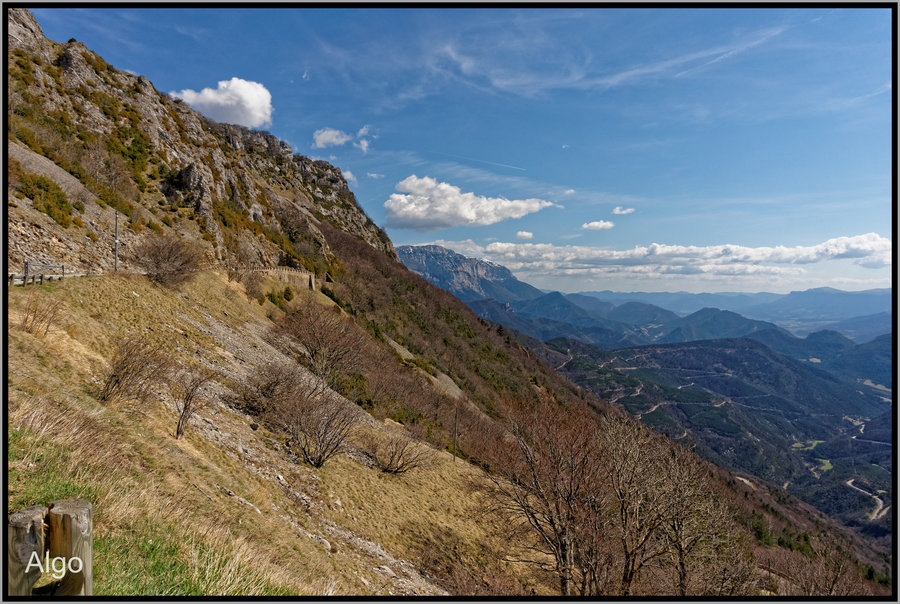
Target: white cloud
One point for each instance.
(598, 225)
(620, 210)
(235, 101)
(362, 144)
(363, 131)
(374, 175)
(524, 235)
(349, 176)
(869, 251)
(425, 204)
(569, 192)
(329, 137)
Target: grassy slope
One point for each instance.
(163, 525)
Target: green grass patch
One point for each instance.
(42, 479)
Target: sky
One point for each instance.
(715, 149)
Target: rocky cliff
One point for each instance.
(111, 142)
(467, 278)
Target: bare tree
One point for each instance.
(695, 527)
(189, 383)
(551, 482)
(317, 428)
(136, 366)
(830, 572)
(168, 259)
(398, 454)
(636, 481)
(238, 265)
(331, 345)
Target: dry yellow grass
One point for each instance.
(209, 512)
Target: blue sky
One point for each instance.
(585, 149)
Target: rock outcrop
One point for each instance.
(162, 164)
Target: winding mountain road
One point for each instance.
(880, 509)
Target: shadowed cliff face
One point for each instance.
(466, 278)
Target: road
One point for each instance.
(879, 511)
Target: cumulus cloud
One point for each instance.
(332, 137)
(349, 176)
(524, 235)
(620, 210)
(234, 101)
(329, 137)
(869, 251)
(424, 204)
(598, 225)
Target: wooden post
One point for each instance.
(71, 536)
(42, 278)
(25, 278)
(24, 538)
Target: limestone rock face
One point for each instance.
(24, 31)
(177, 170)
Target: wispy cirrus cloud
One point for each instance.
(491, 61)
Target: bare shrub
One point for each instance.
(397, 454)
(317, 428)
(188, 384)
(168, 259)
(39, 313)
(252, 284)
(135, 367)
(272, 385)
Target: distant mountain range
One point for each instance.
(860, 315)
(615, 319)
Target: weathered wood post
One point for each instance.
(42, 278)
(24, 538)
(71, 536)
(41, 536)
(25, 277)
